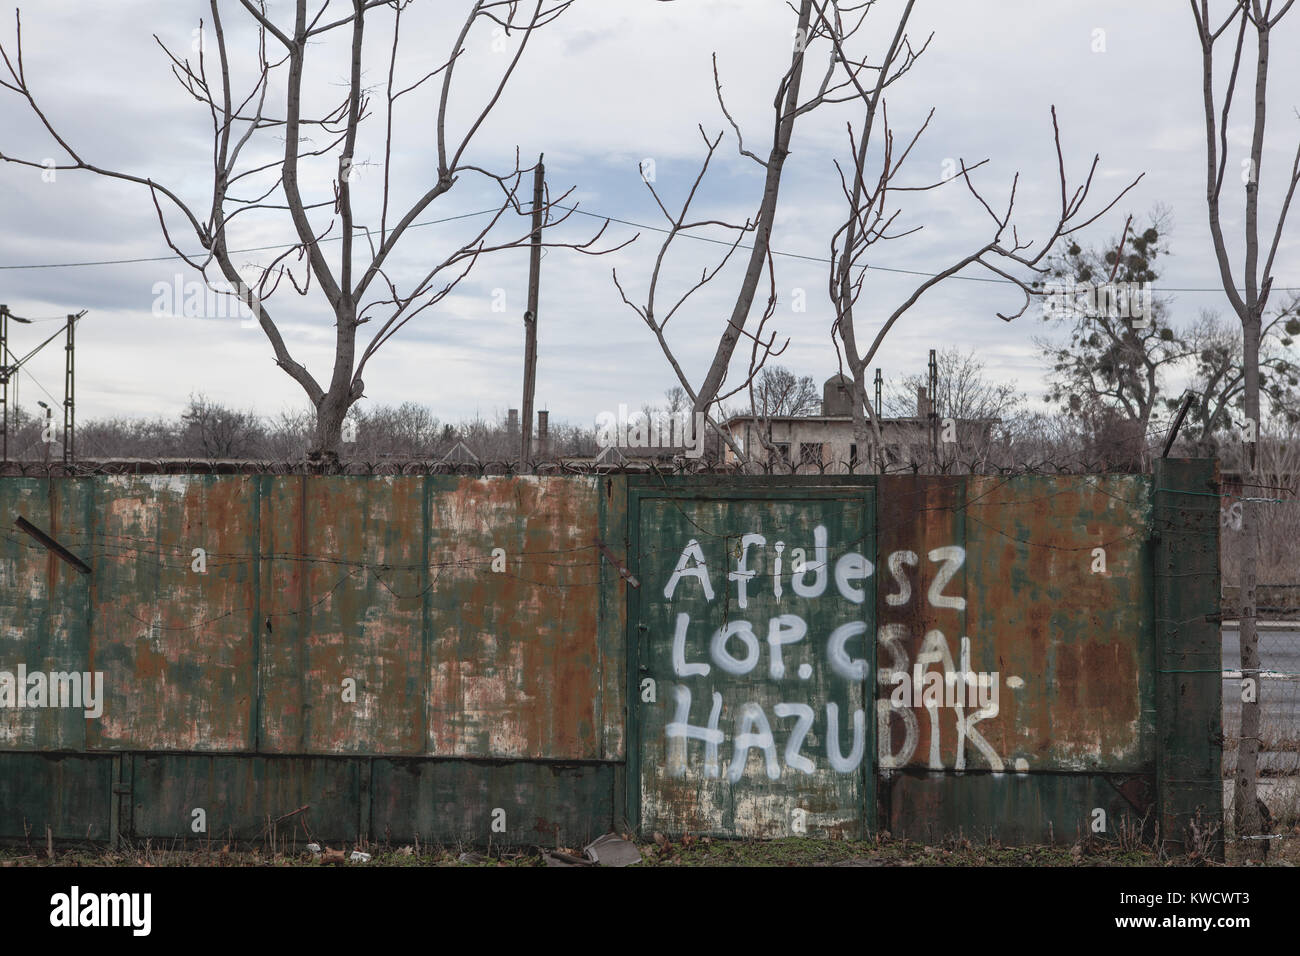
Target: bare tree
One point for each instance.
(249, 176)
(1219, 380)
(778, 391)
(675, 400)
(786, 109)
(965, 391)
(212, 430)
(1260, 17)
(657, 320)
(868, 196)
(1111, 372)
(787, 106)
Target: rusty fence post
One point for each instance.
(1189, 653)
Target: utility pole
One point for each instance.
(4, 379)
(530, 316)
(934, 404)
(69, 407)
(46, 431)
(7, 371)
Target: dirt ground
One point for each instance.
(686, 851)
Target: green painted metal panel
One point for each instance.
(546, 804)
(44, 618)
(533, 652)
(1189, 650)
(69, 793)
(754, 624)
(242, 796)
(1017, 808)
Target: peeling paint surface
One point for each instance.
(411, 653)
(331, 615)
(1067, 631)
(755, 638)
(515, 653)
(175, 645)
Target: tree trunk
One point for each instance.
(1246, 809)
(324, 453)
(758, 255)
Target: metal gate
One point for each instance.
(752, 642)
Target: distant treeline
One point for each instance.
(208, 429)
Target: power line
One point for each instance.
(594, 215)
(38, 385)
(876, 268)
(20, 362)
(233, 252)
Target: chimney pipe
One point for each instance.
(543, 433)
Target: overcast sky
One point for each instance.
(611, 83)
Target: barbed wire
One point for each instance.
(1050, 466)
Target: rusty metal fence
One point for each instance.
(537, 659)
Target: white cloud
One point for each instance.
(606, 86)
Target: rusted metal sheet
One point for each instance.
(173, 601)
(753, 639)
(1017, 808)
(44, 605)
(546, 804)
(69, 793)
(1059, 579)
(613, 620)
(515, 651)
(445, 615)
(215, 798)
(920, 594)
(997, 586)
(342, 615)
(465, 611)
(498, 625)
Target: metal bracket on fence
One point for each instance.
(1178, 423)
(627, 575)
(22, 524)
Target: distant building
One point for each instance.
(826, 443)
